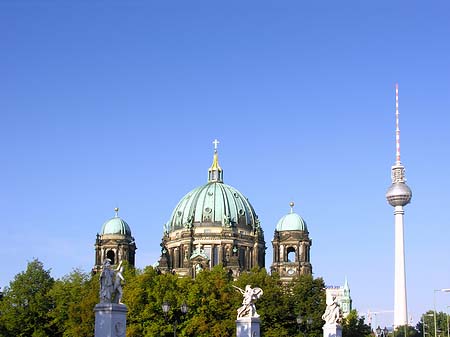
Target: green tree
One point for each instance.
(354, 326)
(213, 303)
(144, 293)
(281, 304)
(308, 300)
(406, 330)
(26, 303)
(441, 323)
(74, 297)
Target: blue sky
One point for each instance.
(110, 103)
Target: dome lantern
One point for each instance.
(215, 173)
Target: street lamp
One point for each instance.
(444, 290)
(177, 315)
(382, 332)
(300, 323)
(448, 325)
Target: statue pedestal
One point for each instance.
(247, 327)
(332, 330)
(110, 320)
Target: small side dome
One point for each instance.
(116, 225)
(291, 222)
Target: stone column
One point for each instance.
(110, 320)
(248, 327)
(332, 330)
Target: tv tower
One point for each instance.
(399, 195)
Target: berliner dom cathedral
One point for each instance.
(214, 224)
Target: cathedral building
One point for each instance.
(214, 224)
(211, 225)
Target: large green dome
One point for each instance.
(291, 222)
(116, 225)
(213, 204)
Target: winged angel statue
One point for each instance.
(248, 308)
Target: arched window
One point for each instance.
(291, 254)
(112, 256)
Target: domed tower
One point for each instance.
(211, 225)
(399, 195)
(114, 242)
(291, 247)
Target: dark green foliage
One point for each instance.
(26, 303)
(428, 317)
(35, 305)
(308, 299)
(407, 331)
(281, 304)
(74, 297)
(354, 326)
(212, 302)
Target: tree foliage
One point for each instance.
(74, 297)
(427, 322)
(35, 305)
(406, 330)
(354, 326)
(26, 303)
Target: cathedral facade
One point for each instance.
(214, 224)
(211, 225)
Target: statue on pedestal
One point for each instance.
(333, 313)
(111, 283)
(248, 308)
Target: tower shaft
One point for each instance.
(400, 305)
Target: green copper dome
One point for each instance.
(291, 222)
(116, 225)
(213, 204)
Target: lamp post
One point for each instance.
(177, 315)
(382, 332)
(300, 323)
(444, 290)
(448, 325)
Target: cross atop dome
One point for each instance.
(215, 142)
(215, 173)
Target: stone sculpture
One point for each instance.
(333, 313)
(111, 283)
(251, 295)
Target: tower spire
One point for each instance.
(398, 170)
(397, 129)
(215, 173)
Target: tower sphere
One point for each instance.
(398, 194)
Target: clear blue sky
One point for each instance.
(116, 103)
